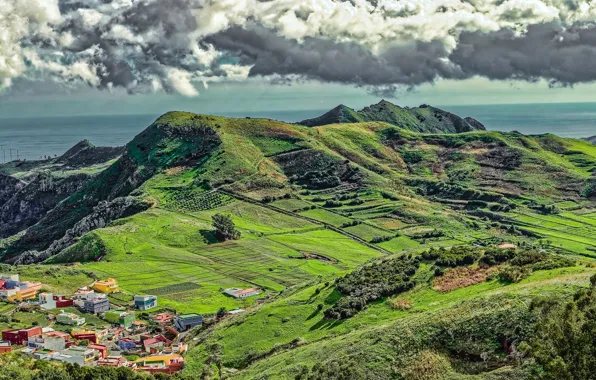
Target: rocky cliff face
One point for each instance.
(104, 213)
(9, 186)
(28, 203)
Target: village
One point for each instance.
(141, 336)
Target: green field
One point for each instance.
(168, 254)
(328, 217)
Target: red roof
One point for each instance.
(245, 291)
(59, 334)
(149, 342)
(163, 317)
(507, 246)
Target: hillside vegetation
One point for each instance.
(373, 238)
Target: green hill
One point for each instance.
(337, 224)
(424, 119)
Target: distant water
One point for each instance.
(36, 137)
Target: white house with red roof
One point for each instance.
(241, 293)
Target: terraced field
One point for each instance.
(569, 231)
(172, 251)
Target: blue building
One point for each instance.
(145, 302)
(187, 321)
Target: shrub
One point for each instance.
(380, 239)
(494, 256)
(401, 304)
(513, 274)
(332, 203)
(456, 256)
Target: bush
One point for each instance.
(380, 239)
(401, 304)
(454, 257)
(494, 256)
(332, 203)
(513, 274)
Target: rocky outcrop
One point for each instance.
(30, 202)
(475, 124)
(104, 213)
(86, 154)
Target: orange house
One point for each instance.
(168, 364)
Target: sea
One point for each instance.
(34, 138)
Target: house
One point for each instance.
(48, 301)
(113, 361)
(75, 355)
(5, 347)
(145, 302)
(178, 348)
(241, 293)
(168, 364)
(20, 337)
(90, 336)
(100, 348)
(13, 290)
(42, 354)
(107, 287)
(127, 344)
(124, 318)
(70, 319)
(187, 321)
(508, 246)
(96, 304)
(53, 341)
(163, 318)
(152, 345)
(83, 293)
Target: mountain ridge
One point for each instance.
(423, 119)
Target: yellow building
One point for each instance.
(108, 286)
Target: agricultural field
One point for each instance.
(368, 232)
(173, 253)
(568, 231)
(325, 216)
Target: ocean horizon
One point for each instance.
(32, 138)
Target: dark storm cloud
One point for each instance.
(563, 56)
(270, 54)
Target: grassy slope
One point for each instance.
(297, 316)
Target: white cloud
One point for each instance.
(180, 80)
(157, 44)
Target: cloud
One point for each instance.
(381, 45)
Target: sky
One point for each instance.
(88, 57)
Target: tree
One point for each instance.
(221, 312)
(225, 228)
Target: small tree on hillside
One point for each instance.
(225, 228)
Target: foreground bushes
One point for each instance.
(563, 343)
